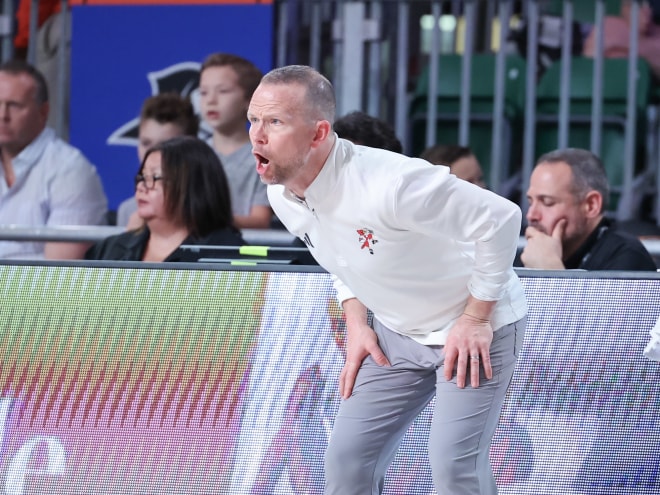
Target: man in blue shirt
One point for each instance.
(43, 180)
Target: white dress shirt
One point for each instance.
(408, 239)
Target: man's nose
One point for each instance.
(257, 133)
(532, 213)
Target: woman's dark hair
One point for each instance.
(445, 154)
(195, 186)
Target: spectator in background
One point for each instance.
(50, 22)
(568, 195)
(226, 85)
(460, 160)
(362, 128)
(183, 198)
(163, 116)
(616, 36)
(47, 8)
(44, 181)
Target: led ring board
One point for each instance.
(145, 379)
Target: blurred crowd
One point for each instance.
(190, 190)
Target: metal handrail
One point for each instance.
(94, 233)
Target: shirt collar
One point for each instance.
(32, 152)
(321, 188)
(577, 258)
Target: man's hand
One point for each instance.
(361, 341)
(468, 341)
(542, 250)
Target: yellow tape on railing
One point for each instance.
(254, 250)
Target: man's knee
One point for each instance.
(467, 474)
(350, 467)
(444, 465)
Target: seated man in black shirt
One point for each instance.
(568, 193)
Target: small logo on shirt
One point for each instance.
(367, 239)
(307, 240)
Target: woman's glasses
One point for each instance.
(149, 180)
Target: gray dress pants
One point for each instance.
(385, 401)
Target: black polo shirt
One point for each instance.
(610, 249)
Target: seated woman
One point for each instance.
(183, 198)
(460, 159)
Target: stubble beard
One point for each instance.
(283, 175)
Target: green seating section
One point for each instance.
(614, 110)
(482, 93)
(583, 10)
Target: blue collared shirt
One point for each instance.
(55, 185)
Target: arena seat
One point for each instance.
(482, 106)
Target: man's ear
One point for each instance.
(593, 204)
(323, 131)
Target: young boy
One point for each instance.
(226, 85)
(163, 116)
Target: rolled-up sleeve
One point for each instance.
(495, 251)
(343, 292)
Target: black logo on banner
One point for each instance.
(182, 78)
